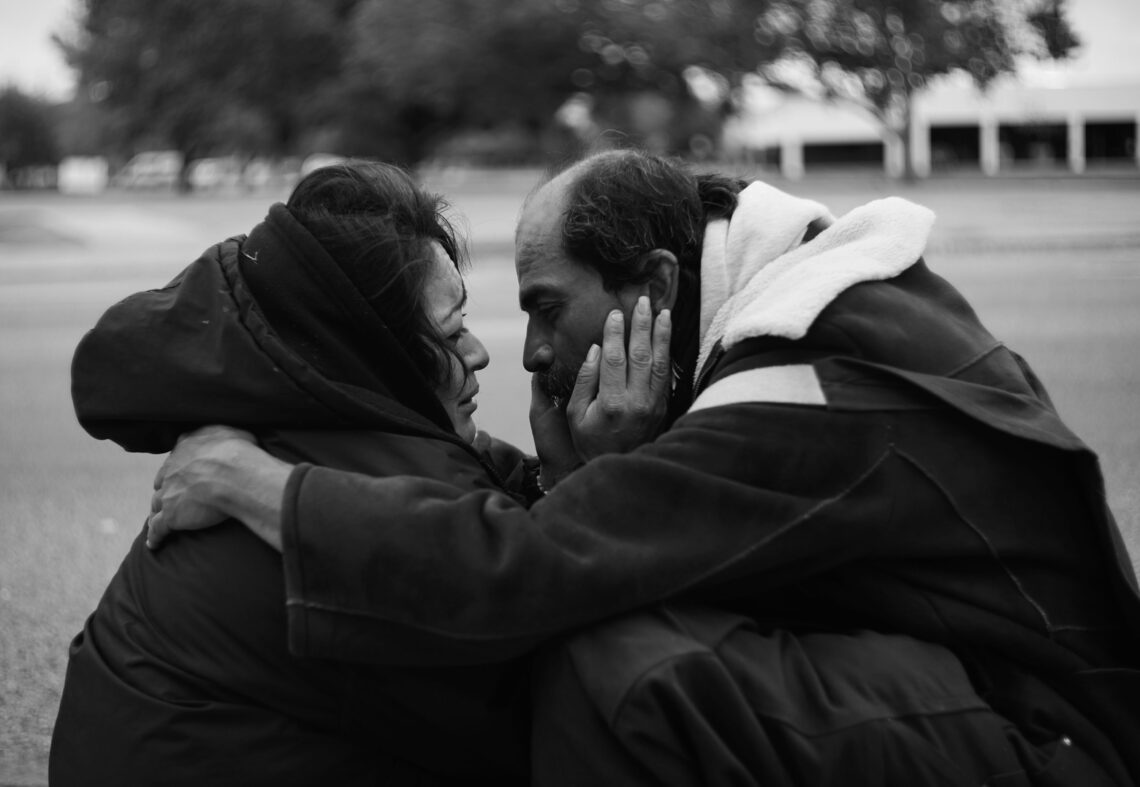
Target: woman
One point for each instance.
(333, 331)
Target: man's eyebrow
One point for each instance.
(529, 297)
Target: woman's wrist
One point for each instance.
(549, 476)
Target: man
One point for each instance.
(885, 558)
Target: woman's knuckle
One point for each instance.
(612, 406)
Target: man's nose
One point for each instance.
(538, 355)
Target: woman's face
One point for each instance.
(446, 298)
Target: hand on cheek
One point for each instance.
(622, 394)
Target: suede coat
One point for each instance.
(927, 488)
(183, 675)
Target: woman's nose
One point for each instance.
(475, 355)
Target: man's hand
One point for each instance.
(212, 474)
(620, 399)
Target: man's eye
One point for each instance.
(549, 313)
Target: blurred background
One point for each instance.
(225, 94)
(136, 133)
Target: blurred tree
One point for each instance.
(418, 73)
(881, 53)
(27, 135)
(650, 59)
(877, 53)
(396, 79)
(187, 73)
(392, 78)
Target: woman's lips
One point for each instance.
(469, 400)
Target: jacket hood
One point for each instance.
(261, 331)
(758, 277)
(855, 300)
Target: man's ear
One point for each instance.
(665, 279)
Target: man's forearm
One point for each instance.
(213, 474)
(248, 484)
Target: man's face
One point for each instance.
(565, 301)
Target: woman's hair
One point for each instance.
(378, 226)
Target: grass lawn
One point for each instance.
(1051, 265)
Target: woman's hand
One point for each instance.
(620, 398)
(552, 442)
(213, 474)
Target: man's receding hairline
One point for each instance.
(574, 171)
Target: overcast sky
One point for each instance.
(28, 59)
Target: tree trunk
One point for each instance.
(184, 186)
(909, 175)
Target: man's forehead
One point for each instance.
(543, 277)
(543, 268)
(538, 239)
(542, 213)
(557, 278)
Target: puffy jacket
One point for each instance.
(183, 674)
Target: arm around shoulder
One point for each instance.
(214, 474)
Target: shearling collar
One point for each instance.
(758, 278)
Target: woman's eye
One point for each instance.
(455, 337)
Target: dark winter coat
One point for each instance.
(927, 488)
(183, 674)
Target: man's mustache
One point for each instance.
(557, 382)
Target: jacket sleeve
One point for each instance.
(411, 569)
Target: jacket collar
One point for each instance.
(758, 277)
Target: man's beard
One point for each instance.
(557, 382)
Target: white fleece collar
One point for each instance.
(759, 279)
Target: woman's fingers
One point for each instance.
(661, 378)
(639, 359)
(612, 385)
(586, 384)
(156, 530)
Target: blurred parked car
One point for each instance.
(151, 169)
(83, 175)
(213, 174)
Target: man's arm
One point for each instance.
(413, 570)
(213, 474)
(217, 472)
(394, 570)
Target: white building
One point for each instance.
(1013, 125)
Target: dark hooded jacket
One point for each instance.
(183, 675)
(930, 489)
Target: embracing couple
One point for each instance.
(797, 517)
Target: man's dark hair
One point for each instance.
(378, 225)
(624, 203)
